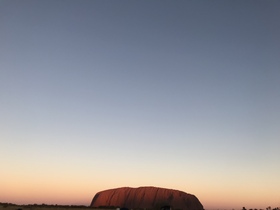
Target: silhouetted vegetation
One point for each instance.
(43, 205)
(11, 206)
(268, 208)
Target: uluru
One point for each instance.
(146, 198)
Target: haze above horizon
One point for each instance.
(176, 94)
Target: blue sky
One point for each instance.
(176, 94)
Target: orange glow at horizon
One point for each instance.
(66, 194)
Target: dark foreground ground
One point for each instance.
(9, 206)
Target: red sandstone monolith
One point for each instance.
(146, 198)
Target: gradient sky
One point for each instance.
(175, 94)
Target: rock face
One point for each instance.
(146, 198)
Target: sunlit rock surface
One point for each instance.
(146, 198)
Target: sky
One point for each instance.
(104, 94)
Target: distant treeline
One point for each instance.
(268, 208)
(46, 205)
(5, 205)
